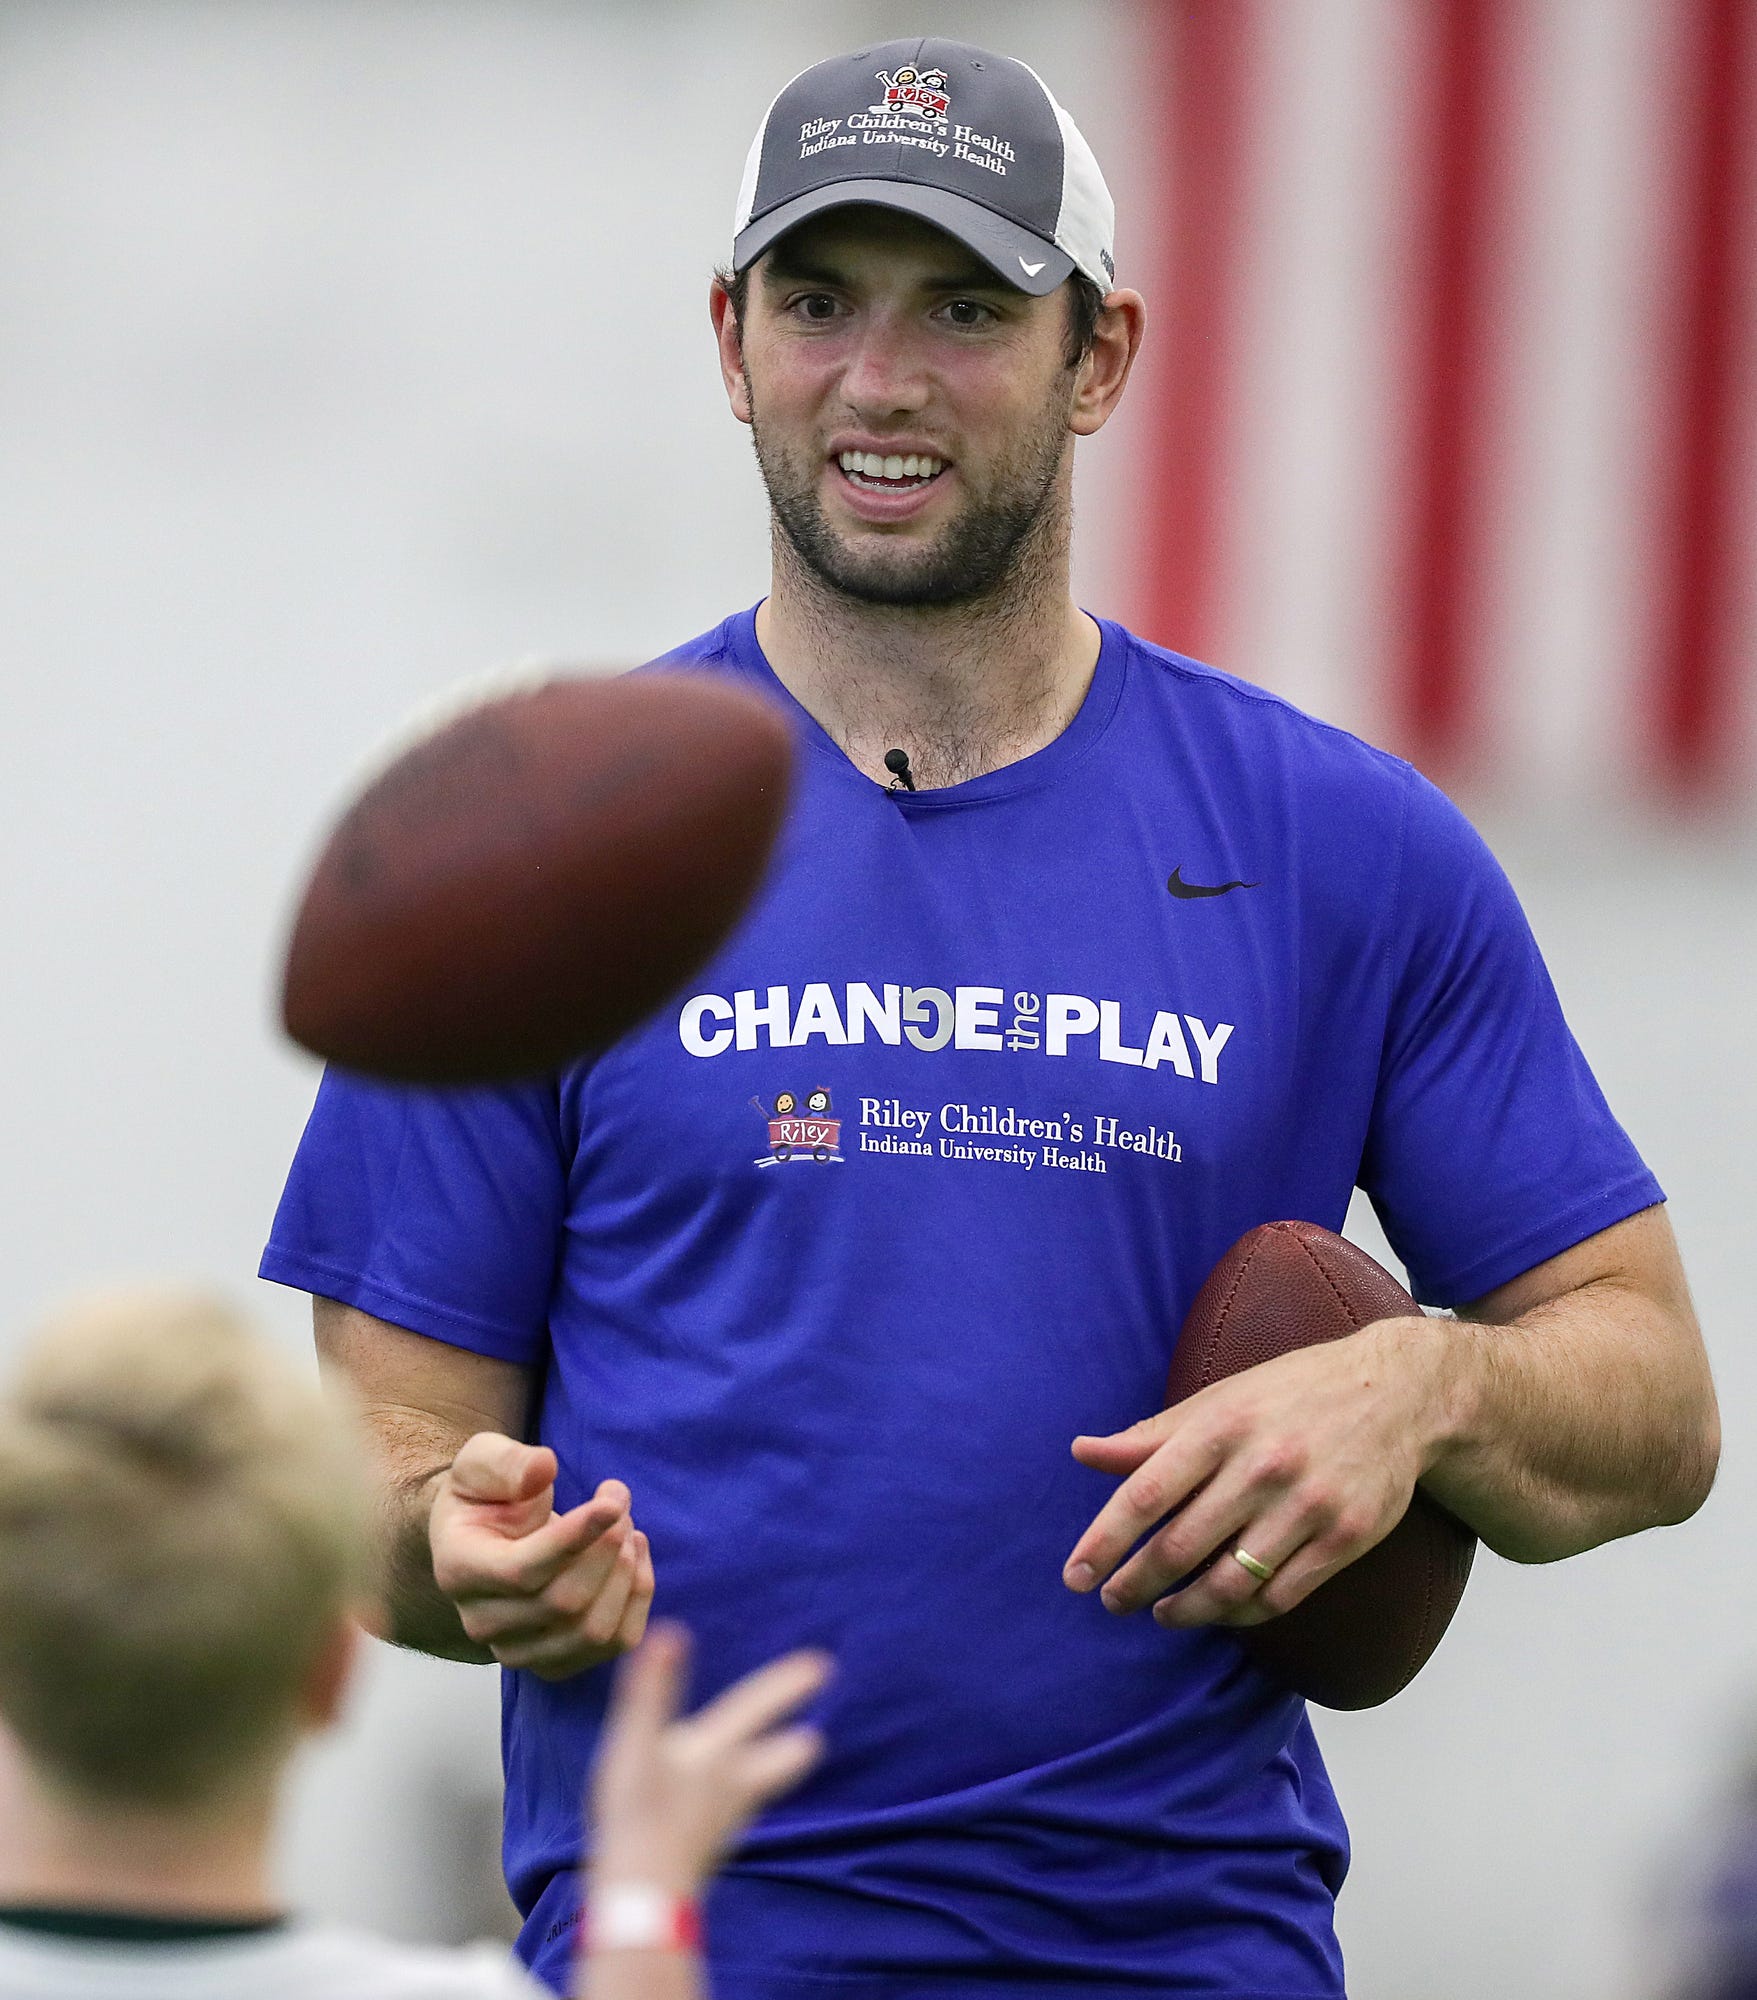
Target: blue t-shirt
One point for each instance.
(832, 1259)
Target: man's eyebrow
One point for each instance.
(971, 278)
(785, 269)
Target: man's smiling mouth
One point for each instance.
(892, 474)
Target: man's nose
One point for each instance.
(885, 374)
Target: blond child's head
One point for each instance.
(182, 1537)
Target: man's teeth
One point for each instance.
(869, 465)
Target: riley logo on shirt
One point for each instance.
(930, 1018)
(813, 1135)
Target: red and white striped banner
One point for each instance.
(1453, 433)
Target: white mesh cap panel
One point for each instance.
(753, 161)
(1086, 226)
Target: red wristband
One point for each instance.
(639, 1916)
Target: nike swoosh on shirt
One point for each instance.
(1190, 892)
(1031, 270)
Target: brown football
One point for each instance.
(533, 879)
(1364, 1635)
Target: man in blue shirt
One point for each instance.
(1077, 959)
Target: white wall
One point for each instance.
(347, 350)
(1521, 1812)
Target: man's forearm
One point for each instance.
(422, 1617)
(1584, 1418)
(420, 1402)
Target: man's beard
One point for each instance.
(970, 558)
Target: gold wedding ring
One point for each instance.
(1260, 1570)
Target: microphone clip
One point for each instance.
(902, 778)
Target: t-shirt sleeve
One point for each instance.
(437, 1210)
(1491, 1147)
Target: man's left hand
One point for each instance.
(1304, 1462)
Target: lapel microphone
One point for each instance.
(897, 763)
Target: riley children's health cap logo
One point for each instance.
(921, 93)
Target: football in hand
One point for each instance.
(1365, 1634)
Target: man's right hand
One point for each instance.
(551, 1593)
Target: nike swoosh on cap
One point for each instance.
(1189, 892)
(1031, 270)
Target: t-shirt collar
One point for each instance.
(1041, 767)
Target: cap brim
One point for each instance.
(1023, 260)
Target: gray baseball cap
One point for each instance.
(969, 141)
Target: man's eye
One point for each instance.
(815, 306)
(967, 312)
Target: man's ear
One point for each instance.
(330, 1675)
(731, 344)
(1104, 367)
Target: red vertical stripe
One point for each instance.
(1203, 50)
(1698, 569)
(1456, 152)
